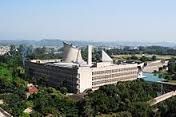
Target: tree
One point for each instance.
(12, 49)
(129, 96)
(154, 58)
(171, 66)
(167, 108)
(134, 57)
(144, 59)
(63, 90)
(140, 109)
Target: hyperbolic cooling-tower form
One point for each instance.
(72, 54)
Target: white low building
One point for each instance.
(78, 75)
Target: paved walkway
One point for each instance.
(168, 83)
(3, 113)
(162, 98)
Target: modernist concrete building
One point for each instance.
(78, 75)
(154, 66)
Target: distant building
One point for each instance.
(154, 66)
(78, 75)
(4, 50)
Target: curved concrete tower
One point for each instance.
(72, 54)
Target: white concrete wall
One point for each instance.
(152, 66)
(45, 61)
(112, 66)
(89, 61)
(85, 78)
(72, 54)
(105, 74)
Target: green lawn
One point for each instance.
(5, 72)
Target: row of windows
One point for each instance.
(113, 80)
(121, 74)
(124, 69)
(55, 74)
(114, 70)
(101, 77)
(117, 77)
(113, 75)
(70, 85)
(101, 72)
(59, 69)
(56, 78)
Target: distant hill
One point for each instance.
(17, 42)
(43, 42)
(50, 42)
(59, 43)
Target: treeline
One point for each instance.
(45, 53)
(29, 52)
(123, 99)
(159, 50)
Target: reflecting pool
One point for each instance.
(151, 77)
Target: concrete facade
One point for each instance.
(154, 66)
(112, 74)
(72, 54)
(80, 76)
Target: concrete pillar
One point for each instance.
(89, 60)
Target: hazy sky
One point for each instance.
(127, 20)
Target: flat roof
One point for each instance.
(59, 63)
(44, 61)
(62, 64)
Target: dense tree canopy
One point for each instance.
(124, 99)
(130, 97)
